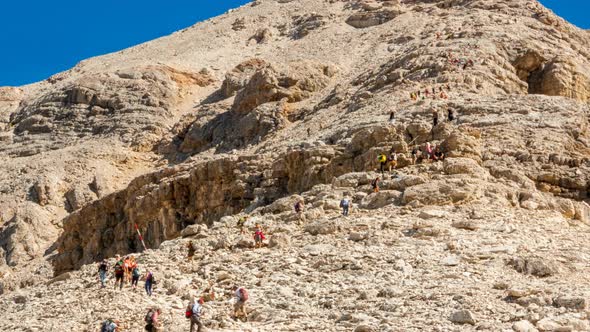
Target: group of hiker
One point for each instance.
(126, 271)
(431, 93)
(194, 310)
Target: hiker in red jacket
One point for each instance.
(258, 236)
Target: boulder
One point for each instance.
(463, 317)
(280, 241)
(322, 227)
(539, 267)
(524, 326)
(380, 199)
(363, 20)
(571, 302)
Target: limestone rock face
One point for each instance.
(297, 82)
(283, 101)
(368, 19)
(562, 76)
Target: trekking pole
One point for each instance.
(140, 237)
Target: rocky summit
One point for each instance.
(481, 223)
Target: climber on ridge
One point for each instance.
(450, 115)
(375, 185)
(392, 160)
(434, 118)
(299, 206)
(382, 159)
(258, 236)
(103, 268)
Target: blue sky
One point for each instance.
(40, 38)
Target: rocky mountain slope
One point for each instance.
(245, 112)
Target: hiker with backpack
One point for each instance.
(375, 185)
(240, 224)
(194, 312)
(258, 236)
(345, 204)
(135, 274)
(149, 282)
(240, 306)
(109, 325)
(103, 268)
(152, 323)
(119, 272)
(392, 160)
(382, 159)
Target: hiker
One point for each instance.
(438, 154)
(152, 324)
(119, 272)
(391, 118)
(109, 325)
(135, 274)
(103, 268)
(414, 155)
(299, 206)
(258, 236)
(126, 269)
(434, 118)
(131, 264)
(345, 204)
(240, 305)
(191, 250)
(428, 150)
(149, 282)
(375, 185)
(450, 115)
(382, 159)
(194, 312)
(392, 160)
(241, 222)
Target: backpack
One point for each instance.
(108, 326)
(243, 294)
(344, 203)
(374, 183)
(136, 272)
(149, 317)
(119, 267)
(188, 313)
(382, 158)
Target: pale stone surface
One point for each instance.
(281, 101)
